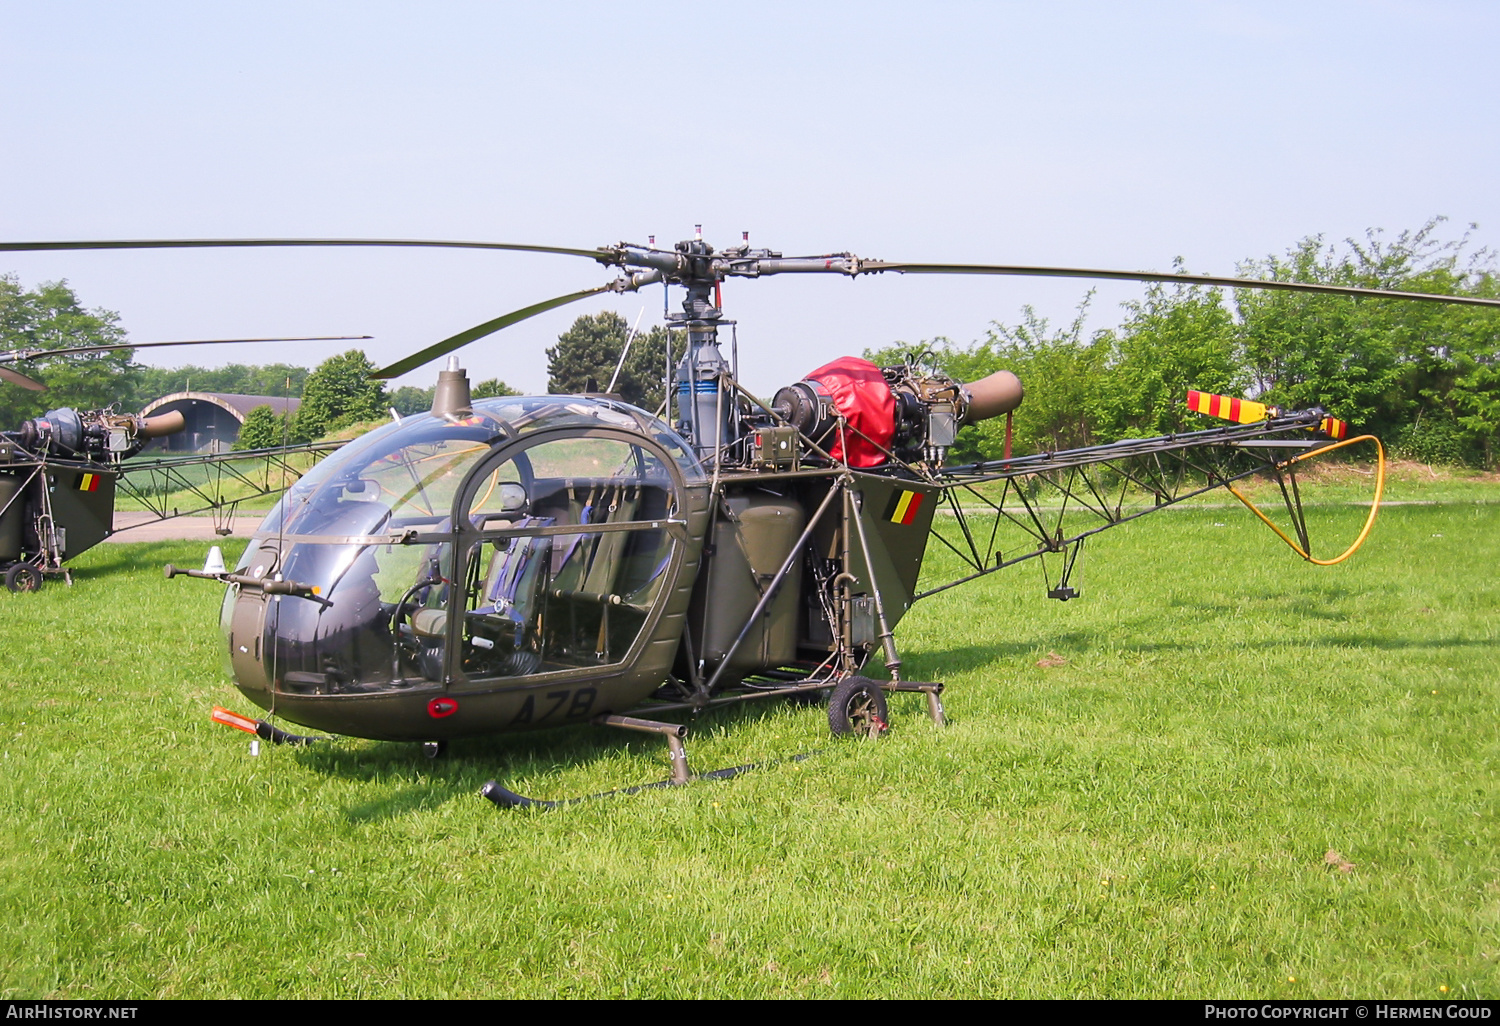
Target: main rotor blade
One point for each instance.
(32, 354)
(604, 256)
(1182, 279)
(463, 338)
(17, 378)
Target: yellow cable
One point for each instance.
(1374, 503)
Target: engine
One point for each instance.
(905, 410)
(98, 435)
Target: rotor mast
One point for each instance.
(706, 398)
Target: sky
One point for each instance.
(1119, 135)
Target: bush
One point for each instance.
(1434, 440)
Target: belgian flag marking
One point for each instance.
(903, 507)
(88, 482)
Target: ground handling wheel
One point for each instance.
(857, 708)
(23, 576)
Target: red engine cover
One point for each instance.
(862, 397)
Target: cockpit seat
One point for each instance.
(514, 589)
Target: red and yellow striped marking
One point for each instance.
(1241, 411)
(903, 507)
(88, 482)
(1333, 428)
(1245, 411)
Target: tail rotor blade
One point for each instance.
(479, 331)
(1240, 411)
(1247, 411)
(1334, 428)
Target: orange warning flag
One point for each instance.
(234, 719)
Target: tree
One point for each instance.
(1061, 370)
(409, 399)
(276, 379)
(50, 317)
(490, 388)
(1476, 403)
(586, 355)
(1389, 366)
(1178, 338)
(262, 429)
(340, 392)
(1423, 376)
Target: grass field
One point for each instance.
(1237, 776)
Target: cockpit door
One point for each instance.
(567, 543)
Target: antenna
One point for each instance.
(626, 351)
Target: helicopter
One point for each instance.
(527, 562)
(60, 472)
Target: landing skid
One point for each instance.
(508, 799)
(505, 798)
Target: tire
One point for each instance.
(857, 708)
(23, 577)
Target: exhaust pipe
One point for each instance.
(162, 424)
(999, 393)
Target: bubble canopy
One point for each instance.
(534, 537)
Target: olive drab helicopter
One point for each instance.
(519, 563)
(60, 472)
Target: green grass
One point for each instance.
(1328, 481)
(1151, 818)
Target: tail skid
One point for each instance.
(1293, 501)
